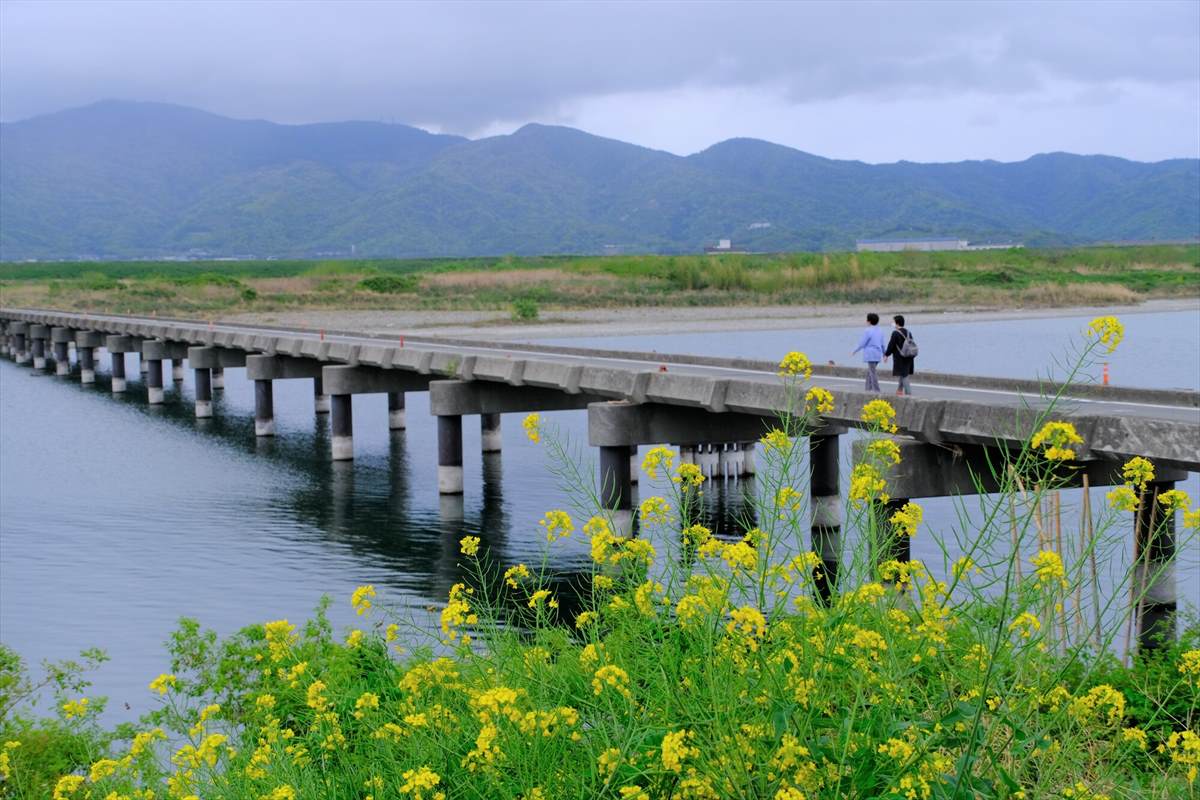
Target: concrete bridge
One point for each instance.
(714, 409)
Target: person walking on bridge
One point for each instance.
(871, 345)
(903, 347)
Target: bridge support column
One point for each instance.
(320, 399)
(1154, 572)
(450, 459)
(177, 370)
(342, 425)
(635, 466)
(118, 371)
(396, 413)
(86, 343)
(749, 467)
(489, 433)
(218, 378)
(264, 408)
(61, 339)
(118, 346)
(20, 348)
(153, 353)
(39, 334)
(616, 487)
(204, 408)
(826, 511)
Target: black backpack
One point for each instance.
(908, 348)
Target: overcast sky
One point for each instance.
(937, 81)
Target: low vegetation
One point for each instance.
(1098, 275)
(687, 665)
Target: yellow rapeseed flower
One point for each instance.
(675, 750)
(533, 427)
(749, 623)
(688, 475)
(614, 677)
(795, 364)
(879, 414)
(355, 639)
(1049, 569)
(558, 525)
(695, 535)
(1138, 472)
(469, 545)
(65, 788)
(908, 518)
(163, 683)
(884, 450)
(1108, 330)
(867, 484)
(1026, 624)
(280, 635)
(818, 400)
(1175, 500)
(513, 575)
(1189, 667)
(361, 599)
(655, 510)
(418, 781)
(1123, 498)
(1054, 439)
(776, 439)
(75, 708)
(658, 458)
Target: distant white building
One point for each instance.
(724, 246)
(900, 245)
(929, 244)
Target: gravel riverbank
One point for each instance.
(638, 321)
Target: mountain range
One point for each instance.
(141, 180)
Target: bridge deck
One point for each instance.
(1116, 422)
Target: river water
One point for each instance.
(117, 518)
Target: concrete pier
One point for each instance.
(204, 406)
(1154, 572)
(489, 433)
(264, 408)
(153, 354)
(263, 369)
(450, 459)
(342, 427)
(20, 336)
(320, 399)
(452, 399)
(61, 338)
(39, 334)
(616, 487)
(396, 411)
(86, 344)
(177, 370)
(218, 377)
(826, 504)
(117, 347)
(206, 361)
(349, 380)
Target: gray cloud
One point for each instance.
(465, 66)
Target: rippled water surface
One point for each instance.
(117, 518)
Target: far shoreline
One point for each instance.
(665, 320)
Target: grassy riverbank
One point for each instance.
(1012, 278)
(681, 665)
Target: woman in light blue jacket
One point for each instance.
(871, 345)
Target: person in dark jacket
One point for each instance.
(903, 366)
